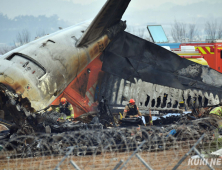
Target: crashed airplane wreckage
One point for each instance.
(84, 63)
(93, 142)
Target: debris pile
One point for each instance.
(39, 133)
(93, 139)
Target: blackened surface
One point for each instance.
(129, 57)
(114, 30)
(99, 86)
(104, 83)
(109, 89)
(116, 85)
(81, 84)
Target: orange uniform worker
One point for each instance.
(131, 110)
(66, 108)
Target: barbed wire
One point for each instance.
(105, 148)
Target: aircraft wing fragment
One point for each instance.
(130, 57)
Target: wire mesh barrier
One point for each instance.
(145, 147)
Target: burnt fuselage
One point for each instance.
(42, 69)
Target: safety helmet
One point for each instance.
(63, 100)
(131, 101)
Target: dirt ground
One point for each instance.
(157, 160)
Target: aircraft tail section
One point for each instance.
(109, 15)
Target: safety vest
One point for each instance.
(217, 111)
(132, 110)
(66, 110)
(150, 120)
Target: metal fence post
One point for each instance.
(132, 155)
(144, 163)
(118, 165)
(203, 159)
(74, 165)
(67, 154)
(193, 148)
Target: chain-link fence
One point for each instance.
(145, 147)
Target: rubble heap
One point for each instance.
(93, 139)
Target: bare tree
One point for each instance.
(40, 33)
(211, 30)
(199, 38)
(148, 38)
(168, 38)
(140, 32)
(130, 29)
(4, 49)
(22, 37)
(192, 32)
(178, 31)
(219, 34)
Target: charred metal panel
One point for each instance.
(81, 83)
(116, 85)
(57, 62)
(156, 77)
(148, 95)
(110, 84)
(130, 57)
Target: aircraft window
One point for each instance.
(31, 66)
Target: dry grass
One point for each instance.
(157, 160)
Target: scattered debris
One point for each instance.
(197, 156)
(92, 137)
(217, 153)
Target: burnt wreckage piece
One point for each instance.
(49, 119)
(115, 139)
(26, 121)
(155, 77)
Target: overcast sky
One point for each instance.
(143, 10)
(139, 13)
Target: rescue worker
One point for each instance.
(150, 118)
(131, 110)
(197, 113)
(65, 108)
(217, 114)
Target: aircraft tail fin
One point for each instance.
(109, 15)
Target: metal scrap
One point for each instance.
(92, 138)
